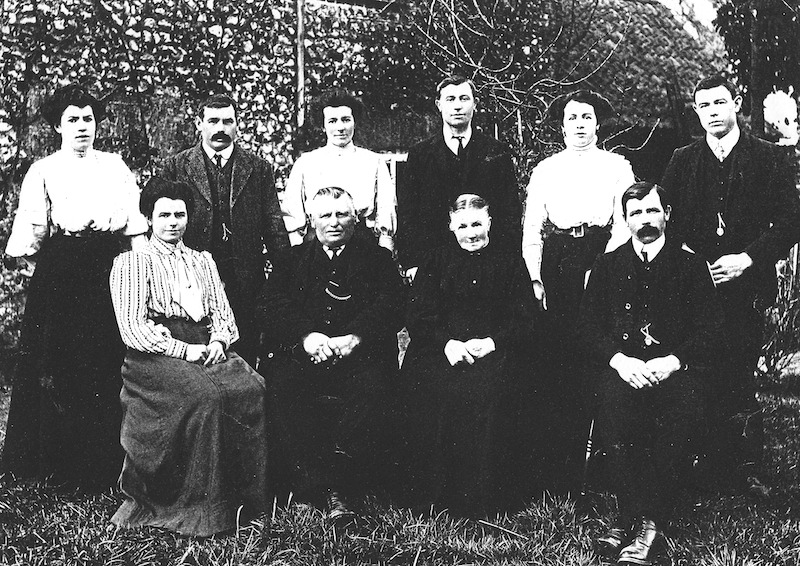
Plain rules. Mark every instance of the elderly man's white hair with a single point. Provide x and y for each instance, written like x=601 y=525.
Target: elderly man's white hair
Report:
x=333 y=192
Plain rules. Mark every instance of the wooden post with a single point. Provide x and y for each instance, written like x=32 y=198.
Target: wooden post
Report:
x=300 y=61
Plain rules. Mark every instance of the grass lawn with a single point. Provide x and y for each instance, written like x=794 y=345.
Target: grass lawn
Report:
x=40 y=526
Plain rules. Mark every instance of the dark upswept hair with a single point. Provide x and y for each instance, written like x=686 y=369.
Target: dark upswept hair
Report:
x=469 y=200
x=455 y=80
x=603 y=109
x=638 y=191
x=157 y=188
x=71 y=95
x=714 y=81
x=220 y=100
x=338 y=97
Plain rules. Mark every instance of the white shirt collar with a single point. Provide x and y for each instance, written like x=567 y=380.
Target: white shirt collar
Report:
x=331 y=251
x=225 y=153
x=652 y=249
x=452 y=142
x=728 y=141
x=336 y=150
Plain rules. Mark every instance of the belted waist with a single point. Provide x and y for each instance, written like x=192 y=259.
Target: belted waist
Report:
x=581 y=230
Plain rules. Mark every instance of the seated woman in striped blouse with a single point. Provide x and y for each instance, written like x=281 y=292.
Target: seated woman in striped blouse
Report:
x=194 y=420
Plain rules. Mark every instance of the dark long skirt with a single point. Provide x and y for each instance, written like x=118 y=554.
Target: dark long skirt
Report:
x=65 y=415
x=565 y=261
x=194 y=439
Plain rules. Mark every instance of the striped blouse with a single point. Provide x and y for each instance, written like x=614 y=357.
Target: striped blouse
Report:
x=142 y=284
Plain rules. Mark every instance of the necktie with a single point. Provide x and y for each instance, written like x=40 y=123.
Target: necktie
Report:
x=644 y=257
x=460 y=149
x=218 y=160
x=719 y=151
x=186 y=291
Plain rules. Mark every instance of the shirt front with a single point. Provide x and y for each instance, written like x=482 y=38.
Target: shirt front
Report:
x=142 y=288
x=652 y=249
x=727 y=142
x=451 y=140
x=225 y=154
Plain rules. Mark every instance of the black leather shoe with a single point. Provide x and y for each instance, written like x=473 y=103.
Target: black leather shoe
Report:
x=640 y=552
x=338 y=512
x=612 y=541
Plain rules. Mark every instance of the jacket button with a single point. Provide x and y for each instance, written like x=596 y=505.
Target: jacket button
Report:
x=327 y=322
x=627 y=306
x=328 y=307
x=474 y=281
x=625 y=336
x=271 y=355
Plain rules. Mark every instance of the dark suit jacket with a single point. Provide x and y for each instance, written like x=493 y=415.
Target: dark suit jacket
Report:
x=426 y=190
x=685 y=315
x=762 y=217
x=256 y=218
x=294 y=303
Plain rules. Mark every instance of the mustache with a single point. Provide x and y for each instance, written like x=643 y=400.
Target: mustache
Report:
x=645 y=231
x=220 y=136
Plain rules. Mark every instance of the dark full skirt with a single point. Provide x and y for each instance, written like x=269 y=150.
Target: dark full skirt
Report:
x=65 y=415
x=194 y=440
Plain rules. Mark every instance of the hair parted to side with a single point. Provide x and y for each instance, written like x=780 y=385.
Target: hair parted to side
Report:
x=333 y=192
x=714 y=81
x=638 y=191
x=219 y=100
x=466 y=201
x=157 y=188
x=71 y=95
x=456 y=80
x=338 y=97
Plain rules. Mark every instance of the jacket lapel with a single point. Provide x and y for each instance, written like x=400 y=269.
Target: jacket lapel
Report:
x=196 y=170
x=242 y=168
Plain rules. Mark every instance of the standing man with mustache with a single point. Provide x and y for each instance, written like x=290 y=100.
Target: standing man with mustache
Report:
x=735 y=204
x=458 y=160
x=236 y=214
x=650 y=326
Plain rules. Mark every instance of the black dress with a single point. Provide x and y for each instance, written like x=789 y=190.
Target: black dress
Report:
x=460 y=418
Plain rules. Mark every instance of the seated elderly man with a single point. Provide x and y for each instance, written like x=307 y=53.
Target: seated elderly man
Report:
x=331 y=318
x=650 y=323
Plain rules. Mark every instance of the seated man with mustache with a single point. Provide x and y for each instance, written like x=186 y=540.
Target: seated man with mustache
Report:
x=236 y=214
x=650 y=323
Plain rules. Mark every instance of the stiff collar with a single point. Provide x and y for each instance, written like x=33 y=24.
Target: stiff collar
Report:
x=452 y=142
x=339 y=151
x=728 y=141
x=165 y=247
x=225 y=153
x=69 y=153
x=331 y=251
x=652 y=249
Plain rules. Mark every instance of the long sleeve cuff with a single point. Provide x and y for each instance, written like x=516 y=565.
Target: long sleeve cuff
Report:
x=176 y=349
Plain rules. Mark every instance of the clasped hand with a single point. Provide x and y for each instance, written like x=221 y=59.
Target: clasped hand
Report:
x=321 y=348
x=457 y=351
x=639 y=374
x=729 y=267
x=214 y=353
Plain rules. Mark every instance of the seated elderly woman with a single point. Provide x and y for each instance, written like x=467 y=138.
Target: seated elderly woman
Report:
x=470 y=319
x=194 y=421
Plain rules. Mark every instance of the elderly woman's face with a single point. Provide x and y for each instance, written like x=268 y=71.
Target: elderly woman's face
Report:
x=580 y=125
x=169 y=220
x=471 y=228
x=77 y=128
x=339 y=125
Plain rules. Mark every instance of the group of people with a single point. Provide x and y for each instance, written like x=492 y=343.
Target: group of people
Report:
x=258 y=339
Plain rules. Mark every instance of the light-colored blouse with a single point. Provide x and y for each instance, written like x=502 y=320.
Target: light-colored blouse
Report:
x=143 y=287
x=361 y=172
x=572 y=188
x=67 y=193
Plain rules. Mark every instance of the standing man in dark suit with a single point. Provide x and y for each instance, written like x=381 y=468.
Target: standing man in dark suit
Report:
x=458 y=160
x=650 y=324
x=332 y=356
x=236 y=214
x=734 y=204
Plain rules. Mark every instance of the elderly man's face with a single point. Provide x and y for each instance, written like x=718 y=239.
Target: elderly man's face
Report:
x=647 y=218
x=716 y=109
x=333 y=220
x=217 y=126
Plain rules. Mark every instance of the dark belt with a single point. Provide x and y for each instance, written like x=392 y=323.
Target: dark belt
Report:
x=580 y=231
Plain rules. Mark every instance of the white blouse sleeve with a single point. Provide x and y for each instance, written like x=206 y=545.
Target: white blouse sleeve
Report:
x=136 y=222
x=535 y=217
x=620 y=233
x=32 y=219
x=294 y=210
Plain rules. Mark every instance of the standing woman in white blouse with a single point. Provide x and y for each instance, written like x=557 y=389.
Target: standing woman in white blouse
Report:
x=78 y=209
x=340 y=163
x=573 y=213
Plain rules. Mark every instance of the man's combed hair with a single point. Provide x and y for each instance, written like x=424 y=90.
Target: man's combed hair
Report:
x=713 y=82
x=338 y=97
x=456 y=80
x=217 y=101
x=336 y=193
x=157 y=188
x=638 y=191
x=71 y=95
x=469 y=201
